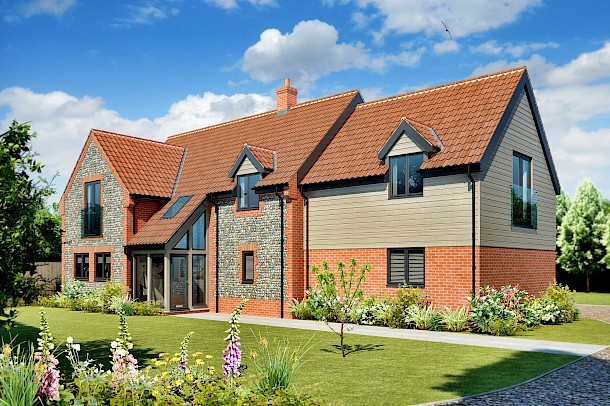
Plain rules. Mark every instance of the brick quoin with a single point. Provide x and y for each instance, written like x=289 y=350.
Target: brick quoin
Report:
x=449 y=270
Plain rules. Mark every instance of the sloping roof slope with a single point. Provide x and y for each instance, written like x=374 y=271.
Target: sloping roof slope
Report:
x=146 y=167
x=263 y=155
x=294 y=135
x=464 y=115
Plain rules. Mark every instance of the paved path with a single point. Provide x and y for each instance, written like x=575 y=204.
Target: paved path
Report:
x=420 y=335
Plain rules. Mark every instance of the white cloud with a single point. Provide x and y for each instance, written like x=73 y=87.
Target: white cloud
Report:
x=516 y=50
x=573 y=101
x=587 y=67
x=147 y=14
x=313 y=50
x=231 y=4
x=63 y=121
x=17 y=11
x=446 y=47
x=462 y=17
x=55 y=7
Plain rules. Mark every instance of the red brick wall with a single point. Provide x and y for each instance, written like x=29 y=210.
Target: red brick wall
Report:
x=532 y=270
x=294 y=272
x=449 y=270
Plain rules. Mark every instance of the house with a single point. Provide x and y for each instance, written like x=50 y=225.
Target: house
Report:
x=447 y=188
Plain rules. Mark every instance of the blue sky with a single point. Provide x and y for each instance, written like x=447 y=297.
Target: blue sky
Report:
x=152 y=68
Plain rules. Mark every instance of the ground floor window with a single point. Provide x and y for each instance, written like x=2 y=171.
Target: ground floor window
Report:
x=406 y=265
x=158 y=282
x=102 y=266
x=141 y=285
x=199 y=298
x=247 y=264
x=81 y=267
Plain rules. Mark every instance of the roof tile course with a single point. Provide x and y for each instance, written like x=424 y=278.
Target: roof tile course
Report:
x=263 y=155
x=464 y=115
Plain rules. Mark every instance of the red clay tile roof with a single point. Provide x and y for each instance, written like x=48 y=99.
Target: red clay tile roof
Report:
x=264 y=156
x=146 y=167
x=159 y=230
x=425 y=131
x=464 y=115
x=211 y=151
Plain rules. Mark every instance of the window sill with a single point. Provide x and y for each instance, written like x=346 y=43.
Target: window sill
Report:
x=247 y=282
x=101 y=280
x=247 y=208
x=402 y=284
x=405 y=196
x=82 y=279
x=523 y=229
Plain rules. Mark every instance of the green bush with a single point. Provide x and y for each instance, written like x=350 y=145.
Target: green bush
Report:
x=504 y=327
x=301 y=310
x=565 y=299
x=110 y=290
x=370 y=311
x=423 y=318
x=406 y=296
x=74 y=289
x=148 y=308
x=455 y=320
x=496 y=311
x=18 y=381
x=122 y=304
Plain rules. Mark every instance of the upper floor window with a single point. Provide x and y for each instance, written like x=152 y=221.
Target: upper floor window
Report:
x=92 y=213
x=246 y=196
x=247 y=265
x=523 y=197
x=405 y=178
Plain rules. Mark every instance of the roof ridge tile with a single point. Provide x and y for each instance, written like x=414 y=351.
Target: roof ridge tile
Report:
x=133 y=137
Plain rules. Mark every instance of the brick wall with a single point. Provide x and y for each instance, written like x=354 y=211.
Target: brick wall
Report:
x=449 y=270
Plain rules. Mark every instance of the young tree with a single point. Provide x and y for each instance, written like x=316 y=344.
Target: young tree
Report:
x=348 y=294
x=582 y=232
x=20 y=198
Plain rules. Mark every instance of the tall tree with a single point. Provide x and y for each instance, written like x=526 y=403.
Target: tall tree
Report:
x=21 y=196
x=48 y=229
x=563 y=205
x=582 y=232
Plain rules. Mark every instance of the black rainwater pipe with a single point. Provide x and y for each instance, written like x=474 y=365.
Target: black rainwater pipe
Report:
x=473 y=232
x=217 y=256
x=279 y=196
x=306 y=202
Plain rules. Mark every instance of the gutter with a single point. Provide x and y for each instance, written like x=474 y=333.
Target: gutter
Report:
x=473 y=231
x=279 y=196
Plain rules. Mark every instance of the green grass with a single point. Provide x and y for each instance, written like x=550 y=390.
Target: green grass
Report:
x=593 y=298
x=583 y=331
x=402 y=371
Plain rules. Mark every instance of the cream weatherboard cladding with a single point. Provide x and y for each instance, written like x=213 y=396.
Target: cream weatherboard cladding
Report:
x=246 y=168
x=364 y=217
x=404 y=146
x=521 y=136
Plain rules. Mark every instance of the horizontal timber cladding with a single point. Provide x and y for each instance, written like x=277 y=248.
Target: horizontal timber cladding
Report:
x=246 y=168
x=404 y=146
x=520 y=135
x=364 y=217
x=448 y=270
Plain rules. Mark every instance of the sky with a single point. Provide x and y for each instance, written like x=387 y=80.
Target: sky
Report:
x=153 y=68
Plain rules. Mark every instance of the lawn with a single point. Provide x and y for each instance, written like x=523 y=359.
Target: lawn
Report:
x=405 y=372
x=584 y=331
x=593 y=298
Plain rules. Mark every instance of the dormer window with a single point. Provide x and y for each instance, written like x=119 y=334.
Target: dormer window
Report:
x=246 y=196
x=405 y=178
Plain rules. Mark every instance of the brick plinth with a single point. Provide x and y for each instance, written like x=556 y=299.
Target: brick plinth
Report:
x=449 y=270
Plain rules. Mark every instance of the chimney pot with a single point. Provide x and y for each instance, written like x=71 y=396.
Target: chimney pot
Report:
x=286 y=96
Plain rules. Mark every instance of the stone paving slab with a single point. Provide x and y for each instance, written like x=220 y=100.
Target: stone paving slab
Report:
x=597 y=312
x=479 y=340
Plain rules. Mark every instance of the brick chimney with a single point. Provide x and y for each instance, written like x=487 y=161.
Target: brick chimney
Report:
x=286 y=96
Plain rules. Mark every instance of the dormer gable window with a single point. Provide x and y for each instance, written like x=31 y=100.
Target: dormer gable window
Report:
x=405 y=178
x=247 y=199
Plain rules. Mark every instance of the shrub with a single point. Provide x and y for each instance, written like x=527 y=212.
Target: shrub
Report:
x=275 y=364
x=18 y=381
x=122 y=305
x=423 y=318
x=110 y=290
x=565 y=299
x=455 y=320
x=74 y=289
x=301 y=310
x=148 y=308
x=491 y=305
x=406 y=296
x=370 y=311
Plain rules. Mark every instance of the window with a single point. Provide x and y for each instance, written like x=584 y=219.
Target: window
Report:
x=406 y=265
x=246 y=196
x=102 y=266
x=176 y=207
x=405 y=178
x=198 y=270
x=199 y=233
x=92 y=213
x=183 y=244
x=523 y=197
x=81 y=267
x=247 y=265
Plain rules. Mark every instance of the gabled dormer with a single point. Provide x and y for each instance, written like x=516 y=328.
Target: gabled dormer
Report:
x=252 y=164
x=409 y=146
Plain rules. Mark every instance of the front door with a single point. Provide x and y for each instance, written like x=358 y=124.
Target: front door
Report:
x=179 y=282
